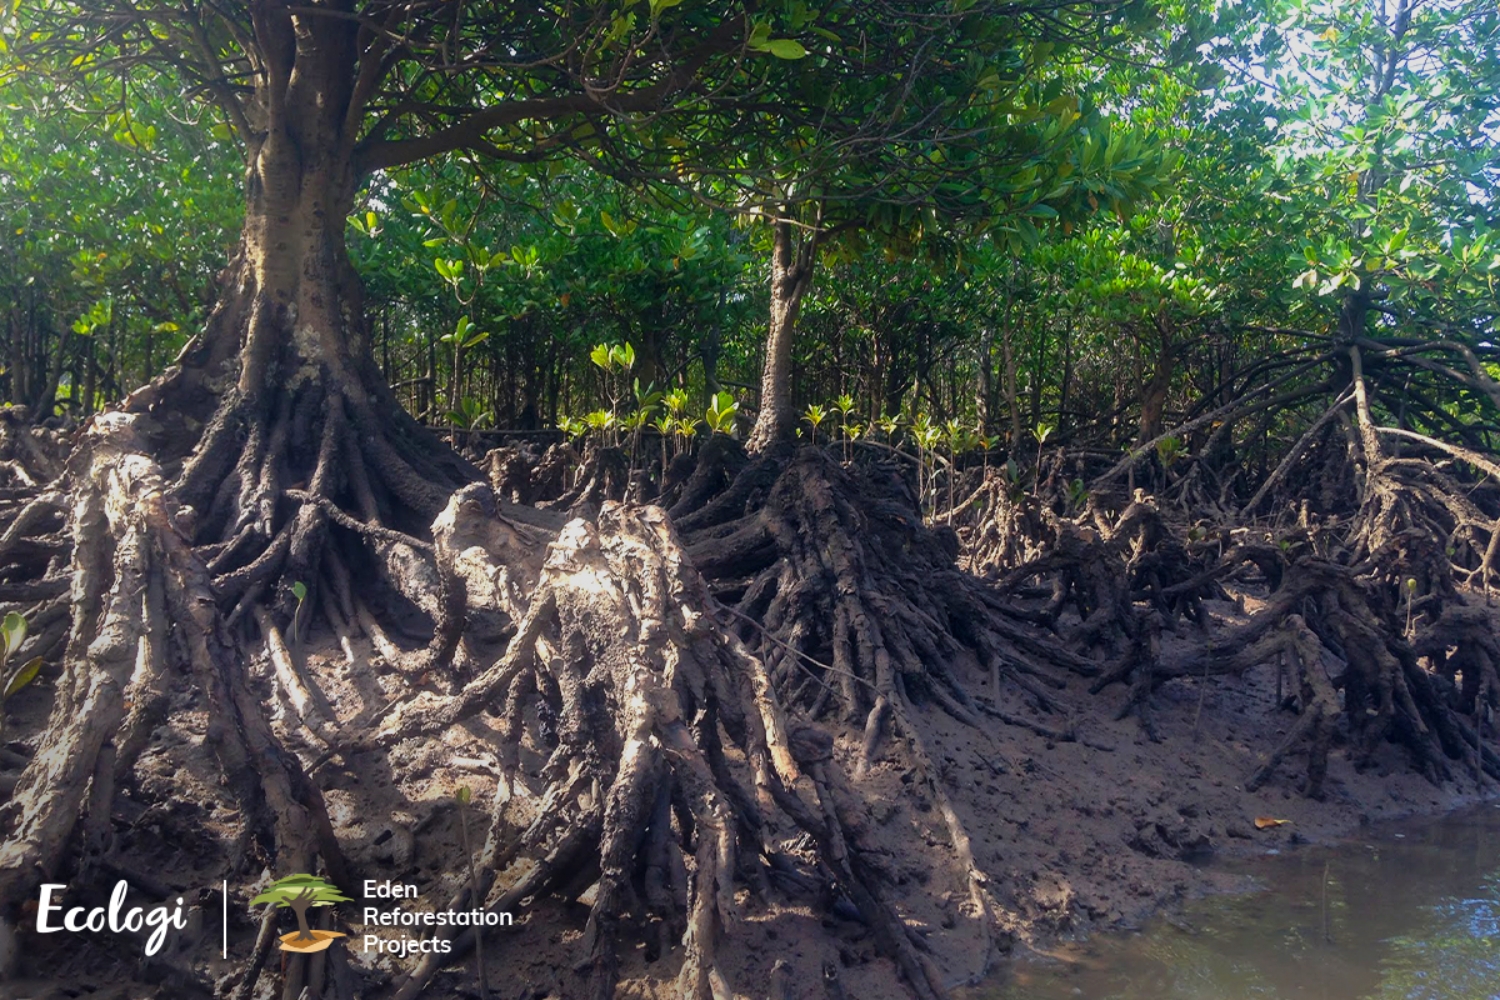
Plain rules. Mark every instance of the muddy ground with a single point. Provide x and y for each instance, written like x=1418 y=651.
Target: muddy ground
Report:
x=1080 y=837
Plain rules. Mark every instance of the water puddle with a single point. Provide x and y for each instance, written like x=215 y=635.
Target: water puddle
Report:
x=1409 y=913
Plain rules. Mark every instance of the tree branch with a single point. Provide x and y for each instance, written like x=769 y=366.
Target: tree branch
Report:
x=470 y=132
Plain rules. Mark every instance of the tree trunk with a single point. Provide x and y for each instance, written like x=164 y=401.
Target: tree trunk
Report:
x=17 y=369
x=1154 y=392
x=283 y=379
x=985 y=401
x=791 y=276
x=90 y=373
x=710 y=352
x=1012 y=402
x=1067 y=376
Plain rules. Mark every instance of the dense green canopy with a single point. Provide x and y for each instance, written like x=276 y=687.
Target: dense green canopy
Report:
x=1308 y=159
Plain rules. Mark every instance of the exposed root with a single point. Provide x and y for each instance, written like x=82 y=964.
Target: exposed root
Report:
x=670 y=752
x=1343 y=634
x=1003 y=526
x=513 y=473
x=30 y=456
x=857 y=602
x=603 y=476
x=1100 y=570
x=133 y=572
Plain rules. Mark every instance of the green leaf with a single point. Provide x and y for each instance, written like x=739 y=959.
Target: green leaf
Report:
x=299 y=591
x=785 y=48
x=13 y=632
x=463 y=795
x=24 y=676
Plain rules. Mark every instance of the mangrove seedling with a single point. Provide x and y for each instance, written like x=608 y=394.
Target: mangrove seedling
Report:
x=815 y=415
x=12 y=634
x=721 y=412
x=299 y=591
x=843 y=406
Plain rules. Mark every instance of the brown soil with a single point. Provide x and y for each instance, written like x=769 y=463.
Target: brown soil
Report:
x=1080 y=837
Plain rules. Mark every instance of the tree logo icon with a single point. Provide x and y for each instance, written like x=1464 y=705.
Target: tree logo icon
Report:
x=299 y=893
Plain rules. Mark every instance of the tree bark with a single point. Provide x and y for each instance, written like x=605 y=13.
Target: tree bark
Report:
x=985 y=401
x=1012 y=402
x=1154 y=392
x=791 y=276
x=289 y=335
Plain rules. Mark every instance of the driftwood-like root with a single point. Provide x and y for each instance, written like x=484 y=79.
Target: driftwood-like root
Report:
x=615 y=641
x=132 y=572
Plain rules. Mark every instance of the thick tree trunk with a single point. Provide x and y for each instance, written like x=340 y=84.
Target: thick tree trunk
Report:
x=287 y=348
x=791 y=276
x=274 y=423
x=1067 y=376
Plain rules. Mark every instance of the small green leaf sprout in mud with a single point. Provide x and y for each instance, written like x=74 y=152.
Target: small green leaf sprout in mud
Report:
x=721 y=413
x=1078 y=494
x=676 y=422
x=12 y=635
x=1013 y=480
x=814 y=415
x=843 y=406
x=664 y=424
x=960 y=442
x=463 y=410
x=1042 y=432
x=926 y=434
x=299 y=591
x=1411 y=593
x=987 y=443
x=462 y=798
x=1170 y=449
x=616 y=361
x=647 y=402
x=471 y=414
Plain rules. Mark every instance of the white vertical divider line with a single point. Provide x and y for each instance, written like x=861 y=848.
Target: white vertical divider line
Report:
x=226 y=918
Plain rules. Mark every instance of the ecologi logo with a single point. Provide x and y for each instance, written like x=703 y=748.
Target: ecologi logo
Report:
x=299 y=893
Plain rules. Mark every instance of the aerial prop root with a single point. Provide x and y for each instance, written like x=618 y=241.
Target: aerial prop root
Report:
x=272 y=476
x=1341 y=630
x=133 y=572
x=834 y=579
x=670 y=768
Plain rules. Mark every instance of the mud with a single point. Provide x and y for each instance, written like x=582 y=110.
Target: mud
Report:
x=1079 y=837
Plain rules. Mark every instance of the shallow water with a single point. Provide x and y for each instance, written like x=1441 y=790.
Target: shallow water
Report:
x=1409 y=913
